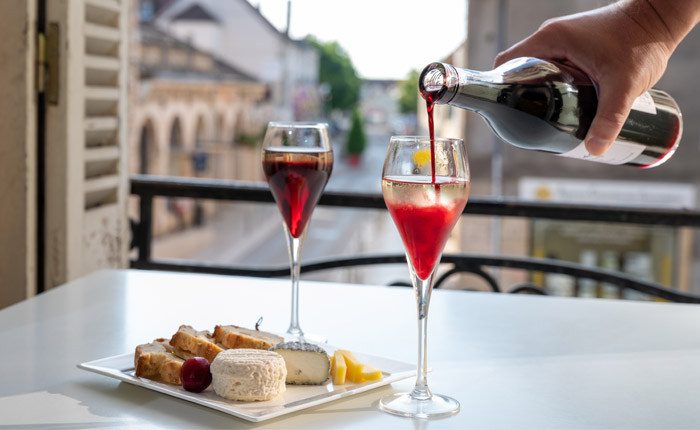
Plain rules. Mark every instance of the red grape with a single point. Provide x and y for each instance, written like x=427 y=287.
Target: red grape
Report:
x=195 y=374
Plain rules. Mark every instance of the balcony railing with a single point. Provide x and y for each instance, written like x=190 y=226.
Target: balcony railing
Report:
x=148 y=187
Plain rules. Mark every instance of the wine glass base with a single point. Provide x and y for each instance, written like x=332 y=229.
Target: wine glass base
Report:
x=403 y=404
x=305 y=337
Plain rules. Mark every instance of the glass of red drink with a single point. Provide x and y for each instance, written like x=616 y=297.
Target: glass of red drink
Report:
x=297 y=159
x=425 y=183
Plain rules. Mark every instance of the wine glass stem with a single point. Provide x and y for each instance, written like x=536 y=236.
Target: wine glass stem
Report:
x=295 y=245
x=422 y=289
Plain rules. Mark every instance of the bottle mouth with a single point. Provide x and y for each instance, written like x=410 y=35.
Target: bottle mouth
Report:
x=438 y=83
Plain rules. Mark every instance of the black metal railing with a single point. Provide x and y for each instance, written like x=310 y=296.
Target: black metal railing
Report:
x=148 y=187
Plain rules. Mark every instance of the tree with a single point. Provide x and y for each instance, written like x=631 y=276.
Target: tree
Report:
x=337 y=71
x=408 y=93
x=356 y=137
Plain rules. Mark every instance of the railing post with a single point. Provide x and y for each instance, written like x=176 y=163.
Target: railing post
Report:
x=143 y=240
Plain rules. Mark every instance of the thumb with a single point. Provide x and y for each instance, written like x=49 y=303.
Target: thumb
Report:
x=613 y=109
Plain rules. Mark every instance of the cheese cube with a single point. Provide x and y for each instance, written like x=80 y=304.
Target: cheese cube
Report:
x=370 y=373
x=354 y=372
x=338 y=369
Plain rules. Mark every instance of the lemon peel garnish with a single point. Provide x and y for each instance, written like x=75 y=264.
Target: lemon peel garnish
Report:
x=421 y=158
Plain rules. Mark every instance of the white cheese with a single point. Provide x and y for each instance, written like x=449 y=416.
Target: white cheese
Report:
x=307 y=364
x=248 y=374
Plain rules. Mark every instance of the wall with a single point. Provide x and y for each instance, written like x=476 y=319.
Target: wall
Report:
x=17 y=153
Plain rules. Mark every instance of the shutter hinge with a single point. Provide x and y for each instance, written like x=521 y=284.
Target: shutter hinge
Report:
x=48 y=55
x=40 y=62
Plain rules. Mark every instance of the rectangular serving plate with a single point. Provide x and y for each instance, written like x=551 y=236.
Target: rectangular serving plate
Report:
x=295 y=398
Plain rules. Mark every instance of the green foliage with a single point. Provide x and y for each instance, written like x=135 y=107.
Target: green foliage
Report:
x=356 y=137
x=251 y=139
x=408 y=93
x=337 y=71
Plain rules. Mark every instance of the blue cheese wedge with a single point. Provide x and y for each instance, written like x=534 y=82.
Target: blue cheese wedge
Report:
x=307 y=364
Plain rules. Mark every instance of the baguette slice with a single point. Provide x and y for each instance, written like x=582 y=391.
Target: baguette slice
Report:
x=178 y=352
x=154 y=361
x=232 y=337
x=199 y=343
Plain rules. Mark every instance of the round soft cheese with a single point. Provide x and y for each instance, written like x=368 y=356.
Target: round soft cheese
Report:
x=248 y=374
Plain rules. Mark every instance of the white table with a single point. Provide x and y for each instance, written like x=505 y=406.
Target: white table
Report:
x=514 y=362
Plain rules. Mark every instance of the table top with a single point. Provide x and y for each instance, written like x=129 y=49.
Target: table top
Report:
x=513 y=361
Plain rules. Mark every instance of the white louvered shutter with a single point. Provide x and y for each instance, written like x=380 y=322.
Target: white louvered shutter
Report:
x=86 y=140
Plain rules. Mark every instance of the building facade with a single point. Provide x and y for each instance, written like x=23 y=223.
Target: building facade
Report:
x=211 y=75
x=236 y=32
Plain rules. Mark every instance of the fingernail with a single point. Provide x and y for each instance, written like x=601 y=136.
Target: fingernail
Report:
x=596 y=146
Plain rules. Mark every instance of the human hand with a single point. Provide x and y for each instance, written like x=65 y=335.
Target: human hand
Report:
x=623 y=48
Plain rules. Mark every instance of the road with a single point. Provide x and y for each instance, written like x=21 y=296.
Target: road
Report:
x=252 y=234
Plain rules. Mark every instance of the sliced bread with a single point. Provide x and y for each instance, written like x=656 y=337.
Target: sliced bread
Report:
x=232 y=337
x=198 y=343
x=154 y=361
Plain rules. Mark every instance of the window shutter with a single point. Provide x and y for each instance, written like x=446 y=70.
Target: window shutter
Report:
x=86 y=141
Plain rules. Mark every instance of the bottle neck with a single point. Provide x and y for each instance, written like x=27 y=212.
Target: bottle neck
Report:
x=440 y=83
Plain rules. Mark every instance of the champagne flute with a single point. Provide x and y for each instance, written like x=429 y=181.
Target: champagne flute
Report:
x=297 y=159
x=425 y=186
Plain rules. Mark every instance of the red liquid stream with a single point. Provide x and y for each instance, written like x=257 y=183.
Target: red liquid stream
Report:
x=296 y=186
x=430 y=105
x=424 y=231
x=431 y=128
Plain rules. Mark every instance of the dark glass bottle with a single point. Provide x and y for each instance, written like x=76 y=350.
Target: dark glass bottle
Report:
x=539 y=105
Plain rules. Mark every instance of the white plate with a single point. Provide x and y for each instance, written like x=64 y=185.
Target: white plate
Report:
x=295 y=398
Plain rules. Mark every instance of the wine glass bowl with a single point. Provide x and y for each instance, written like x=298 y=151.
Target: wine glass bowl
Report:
x=297 y=160
x=425 y=184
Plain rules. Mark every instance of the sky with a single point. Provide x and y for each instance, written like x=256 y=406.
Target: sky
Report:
x=385 y=39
